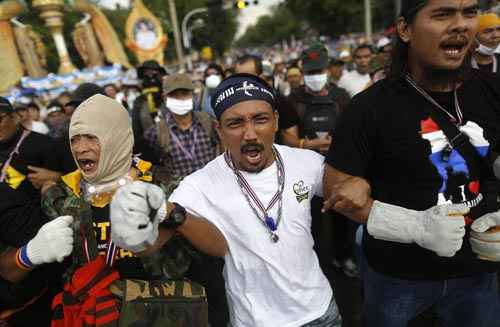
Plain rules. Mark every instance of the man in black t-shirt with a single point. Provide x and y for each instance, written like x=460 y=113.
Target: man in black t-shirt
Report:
x=27 y=283
x=488 y=39
x=419 y=192
x=21 y=149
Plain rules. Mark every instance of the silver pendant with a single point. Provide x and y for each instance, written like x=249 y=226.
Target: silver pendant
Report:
x=275 y=238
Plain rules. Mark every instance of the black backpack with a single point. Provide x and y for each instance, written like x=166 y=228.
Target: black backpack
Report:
x=317 y=115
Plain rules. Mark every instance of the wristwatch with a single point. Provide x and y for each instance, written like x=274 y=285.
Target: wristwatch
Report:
x=176 y=218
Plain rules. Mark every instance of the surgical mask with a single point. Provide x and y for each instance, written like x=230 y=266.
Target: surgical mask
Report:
x=213 y=81
x=316 y=82
x=179 y=107
x=484 y=50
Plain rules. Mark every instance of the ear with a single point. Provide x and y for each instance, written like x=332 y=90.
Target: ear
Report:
x=404 y=30
x=218 y=129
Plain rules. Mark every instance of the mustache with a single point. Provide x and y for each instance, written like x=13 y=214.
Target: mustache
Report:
x=457 y=39
x=252 y=147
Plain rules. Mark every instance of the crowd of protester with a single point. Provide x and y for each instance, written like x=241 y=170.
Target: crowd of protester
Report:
x=393 y=176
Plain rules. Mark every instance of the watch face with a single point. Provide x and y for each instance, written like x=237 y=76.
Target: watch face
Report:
x=176 y=218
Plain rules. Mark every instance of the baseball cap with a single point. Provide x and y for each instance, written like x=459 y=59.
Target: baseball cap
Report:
x=177 y=82
x=5 y=105
x=315 y=58
x=83 y=92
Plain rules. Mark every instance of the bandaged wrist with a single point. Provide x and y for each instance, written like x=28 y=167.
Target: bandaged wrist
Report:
x=22 y=259
x=393 y=223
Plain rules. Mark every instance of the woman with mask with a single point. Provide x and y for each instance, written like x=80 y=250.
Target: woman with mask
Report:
x=488 y=39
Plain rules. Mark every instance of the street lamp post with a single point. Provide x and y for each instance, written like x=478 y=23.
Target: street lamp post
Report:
x=185 y=38
x=177 y=36
x=368 y=20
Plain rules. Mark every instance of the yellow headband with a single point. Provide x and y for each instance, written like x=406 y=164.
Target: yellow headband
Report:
x=487 y=21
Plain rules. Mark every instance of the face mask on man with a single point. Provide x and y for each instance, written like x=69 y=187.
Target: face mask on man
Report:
x=484 y=50
x=213 y=81
x=316 y=82
x=179 y=107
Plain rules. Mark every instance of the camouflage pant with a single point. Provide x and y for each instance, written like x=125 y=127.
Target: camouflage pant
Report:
x=331 y=318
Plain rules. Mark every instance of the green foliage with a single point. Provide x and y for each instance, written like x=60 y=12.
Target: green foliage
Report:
x=282 y=23
x=335 y=17
x=327 y=17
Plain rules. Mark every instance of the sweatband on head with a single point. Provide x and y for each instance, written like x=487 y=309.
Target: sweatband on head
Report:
x=489 y=20
x=239 y=88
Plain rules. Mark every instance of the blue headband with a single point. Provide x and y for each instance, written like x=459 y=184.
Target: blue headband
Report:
x=239 y=88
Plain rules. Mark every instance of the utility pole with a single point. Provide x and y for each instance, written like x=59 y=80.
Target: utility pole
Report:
x=177 y=34
x=397 y=8
x=368 y=20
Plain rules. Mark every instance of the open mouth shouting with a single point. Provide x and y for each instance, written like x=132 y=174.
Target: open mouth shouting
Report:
x=253 y=153
x=456 y=48
x=87 y=165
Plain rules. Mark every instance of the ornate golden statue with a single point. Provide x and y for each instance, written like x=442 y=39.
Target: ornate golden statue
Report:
x=108 y=40
x=86 y=43
x=11 y=68
x=145 y=35
x=51 y=11
x=31 y=48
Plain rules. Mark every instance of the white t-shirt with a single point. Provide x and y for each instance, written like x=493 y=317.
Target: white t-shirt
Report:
x=354 y=82
x=268 y=284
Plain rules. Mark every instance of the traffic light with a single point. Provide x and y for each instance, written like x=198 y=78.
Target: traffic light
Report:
x=241 y=4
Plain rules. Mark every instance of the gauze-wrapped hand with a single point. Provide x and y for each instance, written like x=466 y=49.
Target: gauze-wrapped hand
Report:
x=485 y=237
x=440 y=229
x=135 y=212
x=53 y=242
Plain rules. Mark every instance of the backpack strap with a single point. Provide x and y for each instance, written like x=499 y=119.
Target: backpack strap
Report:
x=206 y=122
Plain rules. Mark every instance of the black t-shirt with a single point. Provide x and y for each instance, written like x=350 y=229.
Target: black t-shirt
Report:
x=20 y=219
x=128 y=265
x=35 y=150
x=387 y=137
x=490 y=67
x=287 y=113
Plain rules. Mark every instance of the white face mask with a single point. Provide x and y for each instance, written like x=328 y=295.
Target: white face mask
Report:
x=213 y=81
x=484 y=50
x=316 y=82
x=179 y=107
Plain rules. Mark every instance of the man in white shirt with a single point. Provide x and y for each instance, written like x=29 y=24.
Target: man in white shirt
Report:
x=255 y=202
x=358 y=80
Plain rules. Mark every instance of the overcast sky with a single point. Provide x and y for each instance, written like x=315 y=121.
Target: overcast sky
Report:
x=247 y=17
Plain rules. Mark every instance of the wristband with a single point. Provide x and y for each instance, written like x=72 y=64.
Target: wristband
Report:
x=22 y=260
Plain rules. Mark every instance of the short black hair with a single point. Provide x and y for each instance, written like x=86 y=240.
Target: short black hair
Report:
x=256 y=60
x=361 y=47
x=336 y=62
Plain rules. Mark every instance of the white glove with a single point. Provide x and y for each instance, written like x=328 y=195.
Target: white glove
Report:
x=485 y=242
x=53 y=242
x=440 y=229
x=131 y=226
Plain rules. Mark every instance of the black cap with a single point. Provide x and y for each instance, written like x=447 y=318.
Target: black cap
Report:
x=5 y=105
x=150 y=64
x=83 y=92
x=315 y=58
